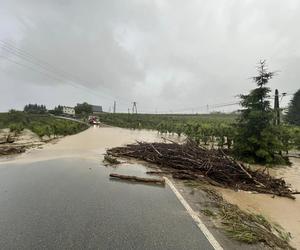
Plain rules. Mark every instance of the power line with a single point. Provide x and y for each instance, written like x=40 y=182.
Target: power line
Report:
x=54 y=77
x=203 y=107
x=50 y=74
x=25 y=55
x=213 y=106
x=45 y=67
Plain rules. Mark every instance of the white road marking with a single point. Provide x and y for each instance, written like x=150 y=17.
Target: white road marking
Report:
x=195 y=217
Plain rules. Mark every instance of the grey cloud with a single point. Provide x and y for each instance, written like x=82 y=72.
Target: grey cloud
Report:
x=168 y=54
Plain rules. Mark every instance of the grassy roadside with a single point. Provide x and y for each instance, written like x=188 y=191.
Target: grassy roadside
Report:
x=248 y=228
x=41 y=124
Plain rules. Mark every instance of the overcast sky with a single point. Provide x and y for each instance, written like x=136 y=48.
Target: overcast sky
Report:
x=167 y=55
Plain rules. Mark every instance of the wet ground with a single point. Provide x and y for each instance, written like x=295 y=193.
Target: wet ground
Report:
x=62 y=198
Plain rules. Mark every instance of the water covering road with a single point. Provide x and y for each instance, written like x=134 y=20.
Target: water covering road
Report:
x=60 y=197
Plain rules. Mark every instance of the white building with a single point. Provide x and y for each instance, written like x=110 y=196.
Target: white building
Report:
x=68 y=111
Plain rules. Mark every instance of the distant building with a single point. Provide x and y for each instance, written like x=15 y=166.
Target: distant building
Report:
x=96 y=109
x=68 y=111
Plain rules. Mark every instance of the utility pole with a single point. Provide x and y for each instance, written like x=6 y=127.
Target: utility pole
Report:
x=128 y=114
x=134 y=108
x=115 y=106
x=276 y=108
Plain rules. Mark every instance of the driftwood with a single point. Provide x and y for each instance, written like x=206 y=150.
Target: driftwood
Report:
x=158 y=172
x=188 y=161
x=7 y=139
x=137 y=179
x=8 y=150
x=111 y=160
x=3 y=139
x=10 y=139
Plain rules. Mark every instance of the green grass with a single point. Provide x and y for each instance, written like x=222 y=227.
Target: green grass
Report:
x=41 y=124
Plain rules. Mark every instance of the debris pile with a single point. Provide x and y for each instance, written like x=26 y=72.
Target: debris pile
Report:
x=8 y=150
x=192 y=162
x=111 y=160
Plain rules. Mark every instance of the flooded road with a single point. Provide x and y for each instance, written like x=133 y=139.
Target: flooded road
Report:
x=61 y=197
x=90 y=144
x=284 y=211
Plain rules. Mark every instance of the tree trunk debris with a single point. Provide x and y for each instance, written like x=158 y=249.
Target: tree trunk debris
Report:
x=138 y=179
x=188 y=161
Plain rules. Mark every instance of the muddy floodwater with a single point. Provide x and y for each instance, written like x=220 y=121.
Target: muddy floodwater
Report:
x=90 y=144
x=284 y=211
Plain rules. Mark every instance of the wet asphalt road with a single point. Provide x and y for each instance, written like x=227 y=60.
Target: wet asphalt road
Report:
x=72 y=204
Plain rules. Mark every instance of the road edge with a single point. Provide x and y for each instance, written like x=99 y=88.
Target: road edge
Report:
x=212 y=240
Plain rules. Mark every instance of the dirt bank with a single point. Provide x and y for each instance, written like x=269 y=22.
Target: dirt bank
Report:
x=12 y=143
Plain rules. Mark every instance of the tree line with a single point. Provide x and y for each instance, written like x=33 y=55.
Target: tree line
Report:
x=81 y=109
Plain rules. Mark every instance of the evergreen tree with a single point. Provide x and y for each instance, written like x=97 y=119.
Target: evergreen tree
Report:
x=293 y=115
x=258 y=140
x=57 y=110
x=35 y=109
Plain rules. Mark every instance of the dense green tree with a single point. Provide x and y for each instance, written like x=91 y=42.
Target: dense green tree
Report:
x=258 y=140
x=293 y=115
x=57 y=110
x=35 y=109
x=83 y=109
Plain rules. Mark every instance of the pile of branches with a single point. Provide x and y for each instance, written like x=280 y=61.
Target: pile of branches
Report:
x=192 y=162
x=9 y=150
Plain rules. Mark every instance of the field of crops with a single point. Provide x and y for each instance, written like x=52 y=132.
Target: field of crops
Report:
x=207 y=129
x=41 y=124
